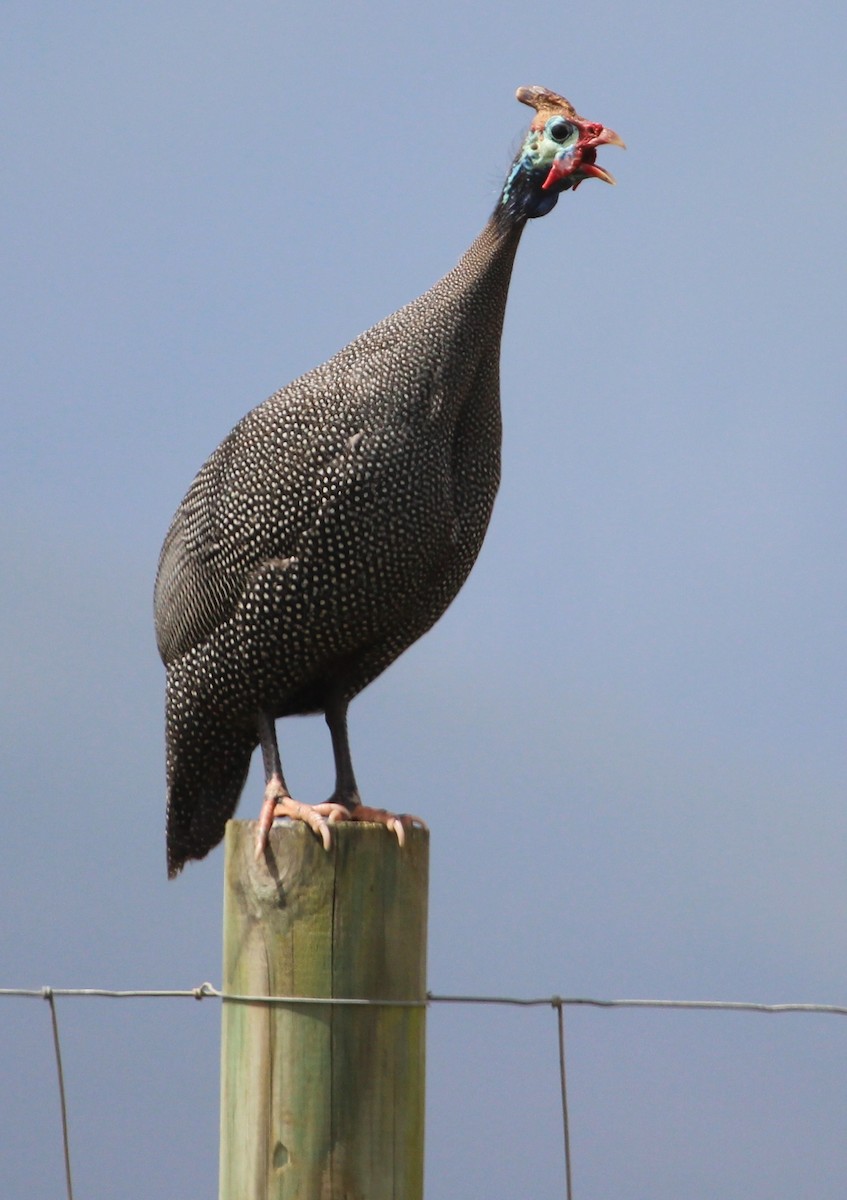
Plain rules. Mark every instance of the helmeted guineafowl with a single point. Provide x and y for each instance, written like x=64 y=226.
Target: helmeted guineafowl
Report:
x=340 y=517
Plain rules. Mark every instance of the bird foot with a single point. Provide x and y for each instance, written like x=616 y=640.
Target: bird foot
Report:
x=318 y=817
x=396 y=823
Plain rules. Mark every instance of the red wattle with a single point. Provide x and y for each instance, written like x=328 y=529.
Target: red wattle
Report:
x=558 y=171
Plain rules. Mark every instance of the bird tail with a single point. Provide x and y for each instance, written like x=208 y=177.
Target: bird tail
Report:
x=207 y=769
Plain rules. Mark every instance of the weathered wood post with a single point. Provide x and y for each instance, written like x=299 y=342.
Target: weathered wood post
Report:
x=320 y=1101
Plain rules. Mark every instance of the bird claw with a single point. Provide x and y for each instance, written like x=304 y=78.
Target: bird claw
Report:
x=396 y=823
x=406 y=821
x=318 y=817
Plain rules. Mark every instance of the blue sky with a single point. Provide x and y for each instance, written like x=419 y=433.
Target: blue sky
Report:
x=627 y=734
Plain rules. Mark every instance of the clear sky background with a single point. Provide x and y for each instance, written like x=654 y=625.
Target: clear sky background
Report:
x=627 y=734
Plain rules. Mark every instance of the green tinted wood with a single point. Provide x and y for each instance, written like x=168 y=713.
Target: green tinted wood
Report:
x=323 y=1102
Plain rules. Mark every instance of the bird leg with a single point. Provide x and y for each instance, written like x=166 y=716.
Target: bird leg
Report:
x=278 y=801
x=346 y=790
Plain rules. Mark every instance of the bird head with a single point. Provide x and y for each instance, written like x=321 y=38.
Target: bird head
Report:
x=558 y=152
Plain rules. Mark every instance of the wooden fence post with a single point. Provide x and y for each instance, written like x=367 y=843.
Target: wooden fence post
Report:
x=323 y=1102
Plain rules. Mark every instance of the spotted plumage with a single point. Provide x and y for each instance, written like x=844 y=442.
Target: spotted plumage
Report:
x=338 y=520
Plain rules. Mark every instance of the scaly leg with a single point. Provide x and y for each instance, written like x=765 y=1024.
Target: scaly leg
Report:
x=346 y=790
x=278 y=801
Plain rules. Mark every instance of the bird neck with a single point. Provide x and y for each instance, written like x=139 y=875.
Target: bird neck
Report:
x=524 y=197
x=485 y=269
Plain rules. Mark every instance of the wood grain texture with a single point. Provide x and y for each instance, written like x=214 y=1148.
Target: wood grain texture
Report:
x=323 y=1102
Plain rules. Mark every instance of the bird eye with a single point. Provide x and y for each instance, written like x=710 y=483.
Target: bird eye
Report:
x=560 y=131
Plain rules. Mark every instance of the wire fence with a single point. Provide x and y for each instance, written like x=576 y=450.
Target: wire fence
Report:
x=207 y=991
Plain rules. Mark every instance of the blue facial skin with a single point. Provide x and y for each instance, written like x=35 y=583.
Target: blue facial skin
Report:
x=523 y=194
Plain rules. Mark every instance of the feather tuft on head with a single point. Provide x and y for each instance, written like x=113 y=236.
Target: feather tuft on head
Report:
x=546 y=104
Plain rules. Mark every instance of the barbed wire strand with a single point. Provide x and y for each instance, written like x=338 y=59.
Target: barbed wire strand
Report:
x=208 y=991
x=48 y=995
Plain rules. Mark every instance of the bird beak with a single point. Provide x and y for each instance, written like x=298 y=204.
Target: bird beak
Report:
x=606 y=137
x=595 y=172
x=585 y=166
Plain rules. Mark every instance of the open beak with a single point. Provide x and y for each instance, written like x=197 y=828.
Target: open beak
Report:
x=605 y=137
x=598 y=135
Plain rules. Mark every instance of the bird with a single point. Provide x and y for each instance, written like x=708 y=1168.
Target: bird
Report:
x=339 y=519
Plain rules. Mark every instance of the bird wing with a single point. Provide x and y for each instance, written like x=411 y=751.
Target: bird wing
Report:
x=275 y=479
